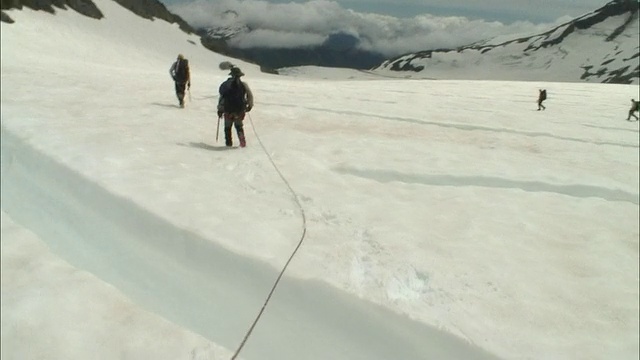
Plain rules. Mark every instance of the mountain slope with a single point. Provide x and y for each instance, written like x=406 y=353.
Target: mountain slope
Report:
x=601 y=46
x=148 y=9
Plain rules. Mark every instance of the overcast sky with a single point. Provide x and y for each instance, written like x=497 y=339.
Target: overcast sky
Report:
x=391 y=27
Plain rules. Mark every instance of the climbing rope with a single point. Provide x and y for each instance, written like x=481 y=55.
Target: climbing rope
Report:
x=304 y=232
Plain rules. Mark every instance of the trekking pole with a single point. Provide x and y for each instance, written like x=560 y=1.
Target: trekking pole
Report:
x=189 y=90
x=218 y=129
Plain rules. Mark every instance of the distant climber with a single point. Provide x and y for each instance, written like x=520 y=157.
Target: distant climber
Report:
x=181 y=76
x=542 y=97
x=635 y=106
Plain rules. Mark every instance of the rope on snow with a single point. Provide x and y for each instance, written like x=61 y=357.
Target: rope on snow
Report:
x=304 y=232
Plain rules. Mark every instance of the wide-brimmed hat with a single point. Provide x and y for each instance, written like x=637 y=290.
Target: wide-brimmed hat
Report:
x=236 y=72
x=180 y=56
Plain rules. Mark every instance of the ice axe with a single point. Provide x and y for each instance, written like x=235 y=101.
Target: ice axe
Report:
x=218 y=129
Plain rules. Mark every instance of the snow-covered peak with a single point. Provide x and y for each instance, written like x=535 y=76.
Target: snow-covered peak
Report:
x=601 y=46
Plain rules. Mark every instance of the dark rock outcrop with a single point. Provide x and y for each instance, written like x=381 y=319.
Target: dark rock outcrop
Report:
x=6 y=18
x=148 y=9
x=84 y=7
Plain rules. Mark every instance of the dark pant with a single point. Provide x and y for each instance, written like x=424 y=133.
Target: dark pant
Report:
x=180 y=86
x=233 y=119
x=540 y=105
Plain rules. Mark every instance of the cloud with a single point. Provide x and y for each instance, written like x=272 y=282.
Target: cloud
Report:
x=500 y=10
x=277 y=39
x=294 y=25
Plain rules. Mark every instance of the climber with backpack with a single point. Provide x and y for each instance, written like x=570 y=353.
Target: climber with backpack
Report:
x=635 y=106
x=542 y=97
x=181 y=75
x=235 y=101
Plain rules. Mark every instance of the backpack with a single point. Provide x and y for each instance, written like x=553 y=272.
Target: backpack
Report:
x=182 y=70
x=543 y=95
x=232 y=93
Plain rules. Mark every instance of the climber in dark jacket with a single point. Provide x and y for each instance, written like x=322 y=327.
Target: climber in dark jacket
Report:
x=236 y=99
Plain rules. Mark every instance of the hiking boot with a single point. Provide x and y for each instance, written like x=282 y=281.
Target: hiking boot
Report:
x=243 y=143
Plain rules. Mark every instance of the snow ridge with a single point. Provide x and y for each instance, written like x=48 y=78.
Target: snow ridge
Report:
x=160 y=265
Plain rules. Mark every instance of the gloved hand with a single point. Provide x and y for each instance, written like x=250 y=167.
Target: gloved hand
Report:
x=189 y=85
x=248 y=108
x=220 y=113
